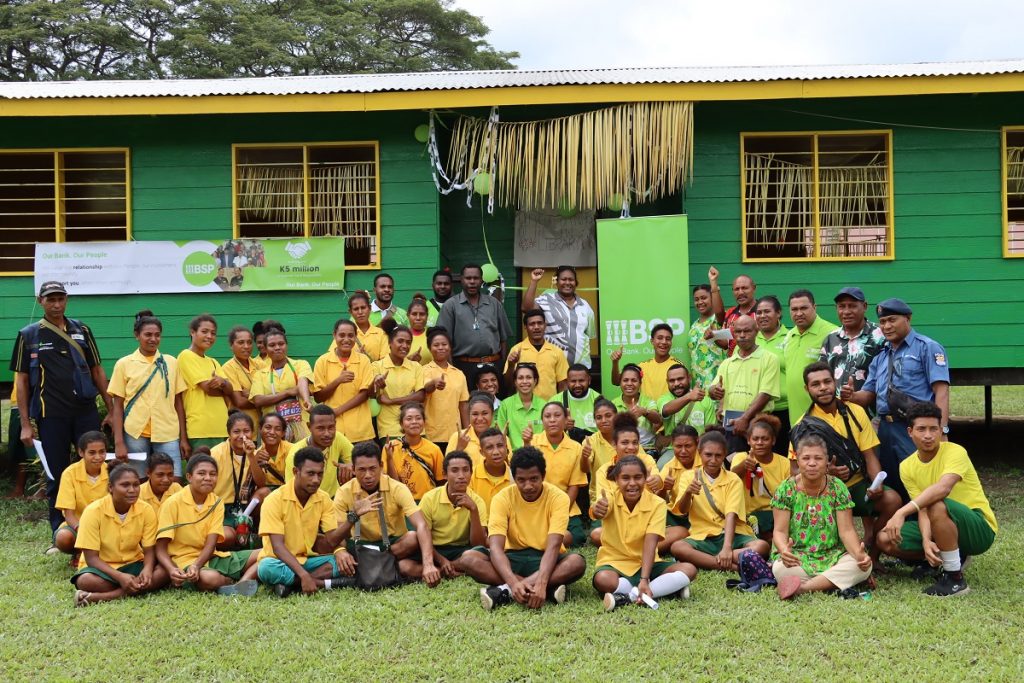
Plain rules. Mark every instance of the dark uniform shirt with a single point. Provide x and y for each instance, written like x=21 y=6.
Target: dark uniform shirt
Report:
x=476 y=331
x=55 y=389
x=917 y=363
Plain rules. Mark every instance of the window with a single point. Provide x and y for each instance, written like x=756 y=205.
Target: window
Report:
x=60 y=196
x=817 y=196
x=311 y=190
x=1013 y=192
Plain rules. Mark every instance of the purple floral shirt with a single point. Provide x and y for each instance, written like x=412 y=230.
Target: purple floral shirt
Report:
x=812 y=523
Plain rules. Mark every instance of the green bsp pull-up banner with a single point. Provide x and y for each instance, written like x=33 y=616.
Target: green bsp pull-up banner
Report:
x=643 y=269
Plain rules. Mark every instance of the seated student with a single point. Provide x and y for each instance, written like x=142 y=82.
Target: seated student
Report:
x=564 y=469
x=490 y=471
x=81 y=484
x=240 y=477
x=713 y=499
x=684 y=405
x=552 y=367
x=816 y=545
x=337 y=450
x=954 y=518
x=161 y=483
x=684 y=459
x=457 y=517
x=117 y=536
x=413 y=460
x=300 y=530
x=635 y=402
x=191 y=523
x=489 y=381
x=762 y=471
x=342 y=379
x=359 y=500
x=481 y=419
x=633 y=523
x=447 y=400
x=655 y=370
x=579 y=399
x=521 y=409
x=523 y=560
x=626 y=441
x=272 y=454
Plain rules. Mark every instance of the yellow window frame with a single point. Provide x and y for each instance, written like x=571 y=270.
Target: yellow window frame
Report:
x=1004 y=190
x=58 y=194
x=305 y=146
x=816 y=223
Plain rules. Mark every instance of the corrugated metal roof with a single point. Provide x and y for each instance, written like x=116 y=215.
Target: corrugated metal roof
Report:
x=474 y=80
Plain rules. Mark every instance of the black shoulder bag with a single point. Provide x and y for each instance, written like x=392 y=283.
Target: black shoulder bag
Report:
x=376 y=568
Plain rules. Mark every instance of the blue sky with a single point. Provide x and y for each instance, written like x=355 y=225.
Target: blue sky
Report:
x=617 y=33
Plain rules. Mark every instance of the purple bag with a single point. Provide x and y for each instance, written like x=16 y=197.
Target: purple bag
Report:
x=755 y=573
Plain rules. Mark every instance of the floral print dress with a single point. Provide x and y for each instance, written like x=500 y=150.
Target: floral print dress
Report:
x=812 y=523
x=704 y=359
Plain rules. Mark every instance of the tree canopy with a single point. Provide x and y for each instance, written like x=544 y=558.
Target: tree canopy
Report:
x=137 y=39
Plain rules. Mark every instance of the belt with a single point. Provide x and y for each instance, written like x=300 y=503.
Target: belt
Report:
x=481 y=359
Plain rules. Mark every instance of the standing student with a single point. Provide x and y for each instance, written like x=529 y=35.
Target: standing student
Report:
x=161 y=483
x=62 y=352
x=477 y=323
x=241 y=369
x=521 y=410
x=633 y=523
x=441 y=283
x=762 y=471
x=552 y=368
x=259 y=340
x=635 y=401
x=396 y=380
x=370 y=339
x=803 y=347
x=383 y=306
x=81 y=484
x=283 y=386
x=706 y=353
x=655 y=370
x=488 y=380
x=571 y=322
x=342 y=379
x=419 y=350
x=272 y=454
x=117 y=536
x=191 y=524
x=337 y=449
x=413 y=460
x=771 y=336
x=524 y=559
x=147 y=390
x=240 y=478
x=447 y=401
x=713 y=499
x=490 y=469
x=564 y=466
x=207 y=394
x=816 y=544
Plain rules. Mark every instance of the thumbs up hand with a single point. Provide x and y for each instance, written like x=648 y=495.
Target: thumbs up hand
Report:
x=716 y=391
x=617 y=354
x=846 y=392
x=600 y=508
x=346 y=374
x=787 y=556
x=864 y=560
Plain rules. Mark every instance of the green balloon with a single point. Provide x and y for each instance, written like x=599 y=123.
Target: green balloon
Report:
x=490 y=272
x=482 y=184
x=422 y=133
x=566 y=209
x=374 y=407
x=615 y=202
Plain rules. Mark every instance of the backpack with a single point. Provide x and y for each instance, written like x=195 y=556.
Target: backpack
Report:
x=755 y=573
x=843 y=450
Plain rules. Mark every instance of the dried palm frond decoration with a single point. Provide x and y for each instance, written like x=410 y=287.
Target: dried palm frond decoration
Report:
x=779 y=198
x=272 y=194
x=1015 y=170
x=640 y=151
x=342 y=202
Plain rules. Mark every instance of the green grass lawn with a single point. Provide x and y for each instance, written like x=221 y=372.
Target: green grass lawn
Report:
x=414 y=633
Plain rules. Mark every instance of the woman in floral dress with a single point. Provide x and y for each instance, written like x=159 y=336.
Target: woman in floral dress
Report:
x=704 y=357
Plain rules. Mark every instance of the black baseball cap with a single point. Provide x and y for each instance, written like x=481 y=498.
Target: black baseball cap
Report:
x=52 y=287
x=853 y=292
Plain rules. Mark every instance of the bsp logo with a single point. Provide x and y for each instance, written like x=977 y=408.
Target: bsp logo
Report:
x=623 y=332
x=199 y=269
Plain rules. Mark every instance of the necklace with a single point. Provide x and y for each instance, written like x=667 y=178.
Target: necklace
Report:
x=824 y=485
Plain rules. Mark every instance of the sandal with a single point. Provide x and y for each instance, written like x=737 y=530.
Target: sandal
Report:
x=789 y=586
x=82 y=598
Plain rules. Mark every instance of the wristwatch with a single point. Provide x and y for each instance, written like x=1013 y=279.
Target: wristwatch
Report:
x=352 y=517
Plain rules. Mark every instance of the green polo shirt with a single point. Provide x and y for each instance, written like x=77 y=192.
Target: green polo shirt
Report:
x=802 y=349
x=511 y=413
x=643 y=424
x=744 y=378
x=777 y=345
x=697 y=415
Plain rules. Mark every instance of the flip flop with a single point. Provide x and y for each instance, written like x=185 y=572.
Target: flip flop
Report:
x=789 y=586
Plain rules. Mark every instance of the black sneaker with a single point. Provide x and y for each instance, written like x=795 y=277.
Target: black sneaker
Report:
x=925 y=572
x=948 y=585
x=282 y=590
x=613 y=601
x=493 y=596
x=558 y=594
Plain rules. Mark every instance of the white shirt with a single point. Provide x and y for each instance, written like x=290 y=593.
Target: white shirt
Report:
x=570 y=329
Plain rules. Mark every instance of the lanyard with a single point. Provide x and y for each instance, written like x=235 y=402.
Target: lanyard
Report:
x=291 y=367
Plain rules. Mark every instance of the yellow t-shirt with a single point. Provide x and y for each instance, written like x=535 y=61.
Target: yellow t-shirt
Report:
x=77 y=491
x=339 y=452
x=727 y=491
x=602 y=453
x=655 y=379
x=233 y=472
x=486 y=486
x=411 y=473
x=118 y=542
x=599 y=479
x=280 y=463
x=442 y=405
x=357 y=423
x=552 y=366
x=673 y=468
x=563 y=467
x=864 y=435
x=283 y=514
x=528 y=525
x=402 y=380
x=241 y=379
x=419 y=343
x=623 y=531
x=775 y=472
x=153 y=412
x=146 y=495
x=398 y=505
x=197 y=522
x=448 y=524
x=473 y=447
x=206 y=417
x=269 y=381
x=373 y=343
x=951 y=459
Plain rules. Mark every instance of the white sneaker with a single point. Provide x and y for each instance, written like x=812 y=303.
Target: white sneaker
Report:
x=51 y=551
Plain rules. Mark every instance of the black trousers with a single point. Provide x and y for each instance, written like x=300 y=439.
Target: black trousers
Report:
x=59 y=437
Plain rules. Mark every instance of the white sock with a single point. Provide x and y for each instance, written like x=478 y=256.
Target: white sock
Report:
x=327 y=584
x=634 y=593
x=950 y=560
x=504 y=587
x=669 y=583
x=624 y=586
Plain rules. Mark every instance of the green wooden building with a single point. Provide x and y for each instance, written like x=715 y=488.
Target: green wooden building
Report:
x=905 y=180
